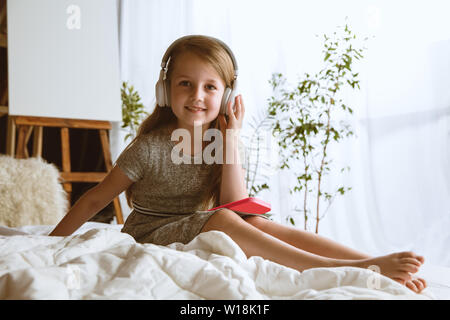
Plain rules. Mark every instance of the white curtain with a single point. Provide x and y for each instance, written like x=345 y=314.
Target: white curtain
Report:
x=400 y=159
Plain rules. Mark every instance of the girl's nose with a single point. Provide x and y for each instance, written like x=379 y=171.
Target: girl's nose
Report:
x=197 y=93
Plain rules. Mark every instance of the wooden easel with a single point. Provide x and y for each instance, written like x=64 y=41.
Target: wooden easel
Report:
x=4 y=72
x=25 y=126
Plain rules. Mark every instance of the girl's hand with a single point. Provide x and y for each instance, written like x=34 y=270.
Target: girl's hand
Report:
x=235 y=119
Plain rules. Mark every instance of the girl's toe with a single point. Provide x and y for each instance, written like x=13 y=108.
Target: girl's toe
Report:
x=407 y=254
x=411 y=285
x=418 y=284
x=411 y=260
x=409 y=267
x=424 y=283
x=405 y=276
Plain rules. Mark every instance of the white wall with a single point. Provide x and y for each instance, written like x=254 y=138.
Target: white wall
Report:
x=400 y=159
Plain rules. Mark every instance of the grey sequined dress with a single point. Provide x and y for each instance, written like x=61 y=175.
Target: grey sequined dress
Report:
x=166 y=196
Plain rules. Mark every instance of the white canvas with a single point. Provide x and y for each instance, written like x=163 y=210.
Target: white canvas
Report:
x=63 y=59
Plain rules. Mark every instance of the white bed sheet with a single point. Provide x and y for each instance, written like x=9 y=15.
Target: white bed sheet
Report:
x=100 y=262
x=438 y=280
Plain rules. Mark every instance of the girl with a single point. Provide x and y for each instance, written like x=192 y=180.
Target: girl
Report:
x=170 y=200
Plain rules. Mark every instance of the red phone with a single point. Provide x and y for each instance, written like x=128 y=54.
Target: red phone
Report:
x=248 y=205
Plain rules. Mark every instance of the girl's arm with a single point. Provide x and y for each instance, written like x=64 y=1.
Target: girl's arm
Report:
x=92 y=202
x=232 y=187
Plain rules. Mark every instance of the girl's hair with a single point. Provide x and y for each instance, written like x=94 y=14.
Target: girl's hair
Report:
x=214 y=54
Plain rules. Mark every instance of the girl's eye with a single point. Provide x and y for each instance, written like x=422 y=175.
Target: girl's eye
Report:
x=186 y=83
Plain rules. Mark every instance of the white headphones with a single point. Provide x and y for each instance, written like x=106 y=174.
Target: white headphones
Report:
x=161 y=88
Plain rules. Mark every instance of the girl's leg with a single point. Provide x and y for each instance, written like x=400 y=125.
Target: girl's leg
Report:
x=255 y=242
x=322 y=246
x=305 y=240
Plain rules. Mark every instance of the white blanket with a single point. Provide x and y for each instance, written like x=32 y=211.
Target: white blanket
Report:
x=103 y=263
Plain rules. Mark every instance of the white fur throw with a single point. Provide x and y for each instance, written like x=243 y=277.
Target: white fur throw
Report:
x=30 y=192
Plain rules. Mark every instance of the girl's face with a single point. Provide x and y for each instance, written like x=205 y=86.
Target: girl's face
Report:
x=196 y=91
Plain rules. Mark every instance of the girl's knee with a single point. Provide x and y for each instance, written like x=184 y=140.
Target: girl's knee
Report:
x=220 y=220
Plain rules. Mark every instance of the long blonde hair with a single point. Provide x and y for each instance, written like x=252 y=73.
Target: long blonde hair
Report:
x=214 y=54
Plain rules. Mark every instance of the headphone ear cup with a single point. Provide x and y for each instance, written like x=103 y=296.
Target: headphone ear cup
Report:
x=225 y=100
x=160 y=95
x=167 y=93
x=232 y=96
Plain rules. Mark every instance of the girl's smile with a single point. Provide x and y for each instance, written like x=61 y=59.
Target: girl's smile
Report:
x=195 y=109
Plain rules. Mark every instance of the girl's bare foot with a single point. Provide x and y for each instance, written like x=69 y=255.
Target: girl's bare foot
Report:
x=399 y=267
x=416 y=284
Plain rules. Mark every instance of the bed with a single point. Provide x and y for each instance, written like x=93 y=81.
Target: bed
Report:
x=100 y=262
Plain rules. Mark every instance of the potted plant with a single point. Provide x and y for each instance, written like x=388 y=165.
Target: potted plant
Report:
x=306 y=121
x=133 y=111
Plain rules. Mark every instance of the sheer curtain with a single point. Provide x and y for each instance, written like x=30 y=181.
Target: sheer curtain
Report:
x=400 y=157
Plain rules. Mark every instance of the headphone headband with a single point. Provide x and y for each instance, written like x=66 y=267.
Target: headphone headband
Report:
x=166 y=59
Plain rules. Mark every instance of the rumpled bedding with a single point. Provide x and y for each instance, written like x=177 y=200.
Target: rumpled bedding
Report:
x=104 y=263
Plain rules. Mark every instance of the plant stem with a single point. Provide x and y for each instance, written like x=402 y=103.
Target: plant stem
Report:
x=256 y=132
x=305 y=196
x=321 y=168
x=257 y=163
